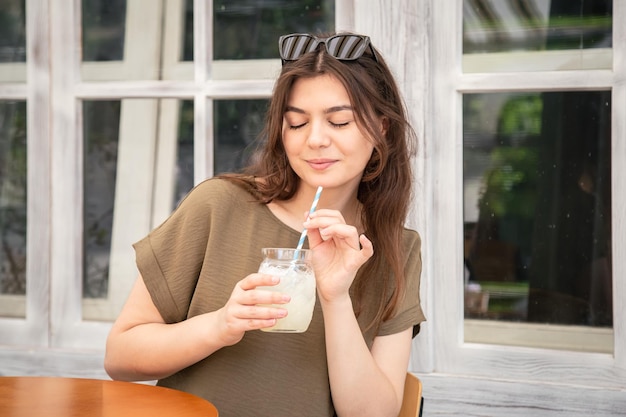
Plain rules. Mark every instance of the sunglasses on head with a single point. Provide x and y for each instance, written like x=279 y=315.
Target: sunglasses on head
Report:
x=344 y=47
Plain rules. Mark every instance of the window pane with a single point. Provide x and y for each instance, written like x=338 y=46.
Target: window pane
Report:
x=13 y=170
x=12 y=41
x=248 y=29
x=184 y=153
x=137 y=40
x=132 y=147
x=103 y=29
x=537 y=35
x=12 y=31
x=537 y=201
x=188 y=32
x=101 y=135
x=238 y=124
x=509 y=25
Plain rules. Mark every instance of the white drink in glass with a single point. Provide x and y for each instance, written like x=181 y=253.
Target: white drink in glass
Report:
x=296 y=279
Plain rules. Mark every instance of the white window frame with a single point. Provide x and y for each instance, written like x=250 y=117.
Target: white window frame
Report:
x=454 y=355
x=30 y=326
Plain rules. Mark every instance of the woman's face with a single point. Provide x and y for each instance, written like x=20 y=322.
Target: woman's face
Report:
x=321 y=138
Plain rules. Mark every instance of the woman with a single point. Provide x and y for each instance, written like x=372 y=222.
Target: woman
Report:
x=192 y=320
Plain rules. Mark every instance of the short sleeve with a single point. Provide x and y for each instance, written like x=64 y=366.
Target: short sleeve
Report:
x=170 y=258
x=409 y=313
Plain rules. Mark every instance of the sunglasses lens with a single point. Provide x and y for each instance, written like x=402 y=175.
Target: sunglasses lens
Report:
x=346 y=47
x=342 y=47
x=292 y=47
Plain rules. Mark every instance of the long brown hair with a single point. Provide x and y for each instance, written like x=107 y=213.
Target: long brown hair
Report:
x=385 y=189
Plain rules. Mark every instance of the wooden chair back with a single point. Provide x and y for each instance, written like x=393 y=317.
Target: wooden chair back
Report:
x=412 y=401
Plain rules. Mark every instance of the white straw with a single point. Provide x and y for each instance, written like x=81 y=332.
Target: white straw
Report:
x=313 y=206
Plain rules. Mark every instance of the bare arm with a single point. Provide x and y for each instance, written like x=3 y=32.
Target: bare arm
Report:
x=363 y=382
x=141 y=346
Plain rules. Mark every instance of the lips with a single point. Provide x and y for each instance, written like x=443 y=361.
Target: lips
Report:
x=321 y=164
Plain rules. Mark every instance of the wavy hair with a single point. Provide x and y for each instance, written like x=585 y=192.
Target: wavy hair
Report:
x=385 y=190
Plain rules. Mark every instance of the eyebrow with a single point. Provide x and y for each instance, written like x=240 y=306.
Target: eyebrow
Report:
x=333 y=109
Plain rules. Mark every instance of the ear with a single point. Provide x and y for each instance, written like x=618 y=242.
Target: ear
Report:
x=384 y=125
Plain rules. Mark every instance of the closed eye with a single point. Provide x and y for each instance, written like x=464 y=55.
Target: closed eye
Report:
x=296 y=127
x=339 y=124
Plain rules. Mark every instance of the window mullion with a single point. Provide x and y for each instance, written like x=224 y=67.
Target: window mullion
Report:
x=38 y=162
x=618 y=181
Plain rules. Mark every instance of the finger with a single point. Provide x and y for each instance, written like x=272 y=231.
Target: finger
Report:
x=258 y=280
x=325 y=217
x=261 y=296
x=367 y=248
x=341 y=233
x=253 y=324
x=262 y=313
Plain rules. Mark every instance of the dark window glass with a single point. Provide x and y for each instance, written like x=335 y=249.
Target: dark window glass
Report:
x=188 y=32
x=101 y=136
x=249 y=29
x=13 y=171
x=238 y=124
x=184 y=154
x=537 y=200
x=512 y=25
x=103 y=24
x=12 y=31
x=101 y=157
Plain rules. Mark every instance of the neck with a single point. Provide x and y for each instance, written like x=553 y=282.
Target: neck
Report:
x=291 y=211
x=334 y=199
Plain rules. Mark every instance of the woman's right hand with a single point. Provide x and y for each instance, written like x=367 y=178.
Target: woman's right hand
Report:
x=247 y=308
x=140 y=338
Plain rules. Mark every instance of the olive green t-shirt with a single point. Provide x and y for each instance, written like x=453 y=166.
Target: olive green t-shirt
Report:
x=190 y=265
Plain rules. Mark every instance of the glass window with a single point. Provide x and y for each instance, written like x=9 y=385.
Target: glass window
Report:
x=13 y=31
x=501 y=33
x=187 y=54
x=184 y=152
x=238 y=124
x=103 y=29
x=124 y=145
x=245 y=29
x=101 y=135
x=13 y=170
x=12 y=41
x=537 y=199
x=125 y=40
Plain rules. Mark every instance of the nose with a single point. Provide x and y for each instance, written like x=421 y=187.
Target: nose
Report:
x=318 y=136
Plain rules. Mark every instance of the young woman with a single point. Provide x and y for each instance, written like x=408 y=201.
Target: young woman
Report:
x=192 y=320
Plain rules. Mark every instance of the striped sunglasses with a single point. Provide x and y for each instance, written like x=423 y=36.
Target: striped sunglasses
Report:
x=344 y=47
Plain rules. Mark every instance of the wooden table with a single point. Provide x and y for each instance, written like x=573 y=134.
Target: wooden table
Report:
x=73 y=397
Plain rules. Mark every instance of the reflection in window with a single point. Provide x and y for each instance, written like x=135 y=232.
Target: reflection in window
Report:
x=101 y=135
x=238 y=126
x=12 y=31
x=184 y=153
x=536 y=169
x=245 y=29
x=188 y=32
x=535 y=25
x=13 y=169
x=102 y=144
x=103 y=29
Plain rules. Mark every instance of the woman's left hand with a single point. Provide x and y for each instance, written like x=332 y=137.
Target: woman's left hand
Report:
x=338 y=252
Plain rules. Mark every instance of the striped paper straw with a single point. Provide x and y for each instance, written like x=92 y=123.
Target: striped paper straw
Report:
x=313 y=206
